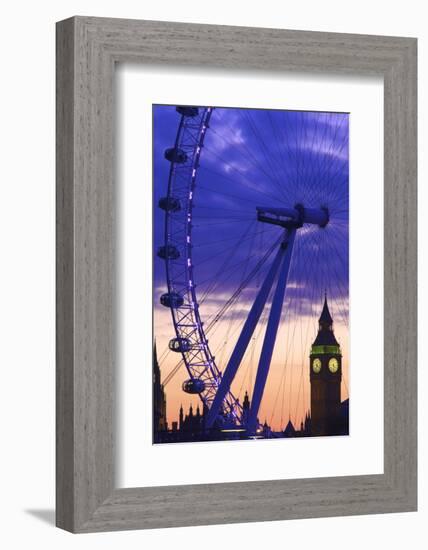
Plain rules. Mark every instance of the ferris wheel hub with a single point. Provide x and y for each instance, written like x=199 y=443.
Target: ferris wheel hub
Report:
x=293 y=218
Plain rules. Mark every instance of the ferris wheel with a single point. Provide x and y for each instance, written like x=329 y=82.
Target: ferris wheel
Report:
x=255 y=229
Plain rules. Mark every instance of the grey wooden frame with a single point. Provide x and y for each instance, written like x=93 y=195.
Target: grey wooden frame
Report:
x=87 y=50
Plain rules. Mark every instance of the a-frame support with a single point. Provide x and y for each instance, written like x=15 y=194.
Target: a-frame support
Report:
x=280 y=264
x=271 y=332
x=291 y=219
x=244 y=339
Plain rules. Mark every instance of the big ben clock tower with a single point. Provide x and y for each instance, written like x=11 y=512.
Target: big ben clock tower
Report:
x=326 y=375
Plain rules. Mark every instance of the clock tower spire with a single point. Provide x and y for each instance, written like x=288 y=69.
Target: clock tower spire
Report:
x=325 y=362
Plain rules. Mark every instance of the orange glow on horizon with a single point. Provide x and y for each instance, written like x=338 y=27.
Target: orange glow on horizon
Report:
x=287 y=392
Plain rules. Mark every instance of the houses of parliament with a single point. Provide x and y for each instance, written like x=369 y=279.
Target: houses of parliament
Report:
x=328 y=415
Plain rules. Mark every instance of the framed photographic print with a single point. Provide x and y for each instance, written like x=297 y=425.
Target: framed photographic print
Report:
x=236 y=289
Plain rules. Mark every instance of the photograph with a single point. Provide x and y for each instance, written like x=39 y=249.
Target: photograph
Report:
x=251 y=274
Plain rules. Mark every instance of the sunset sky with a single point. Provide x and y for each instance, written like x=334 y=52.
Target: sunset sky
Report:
x=260 y=158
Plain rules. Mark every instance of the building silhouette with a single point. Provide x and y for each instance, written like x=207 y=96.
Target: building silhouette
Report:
x=245 y=409
x=160 y=423
x=328 y=416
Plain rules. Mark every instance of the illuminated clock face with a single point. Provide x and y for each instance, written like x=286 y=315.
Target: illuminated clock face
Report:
x=333 y=365
x=316 y=365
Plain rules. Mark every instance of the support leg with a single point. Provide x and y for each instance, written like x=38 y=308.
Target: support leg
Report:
x=244 y=338
x=271 y=332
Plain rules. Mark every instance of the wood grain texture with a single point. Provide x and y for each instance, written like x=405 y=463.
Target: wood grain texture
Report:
x=64 y=277
x=87 y=50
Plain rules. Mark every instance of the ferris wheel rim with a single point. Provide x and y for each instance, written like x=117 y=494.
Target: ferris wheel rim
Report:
x=211 y=374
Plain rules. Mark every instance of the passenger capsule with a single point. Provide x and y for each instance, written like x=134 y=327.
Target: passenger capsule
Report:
x=174 y=154
x=179 y=345
x=172 y=299
x=187 y=111
x=193 y=386
x=170 y=204
x=168 y=252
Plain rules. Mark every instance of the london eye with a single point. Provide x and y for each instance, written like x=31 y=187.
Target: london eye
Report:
x=255 y=232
